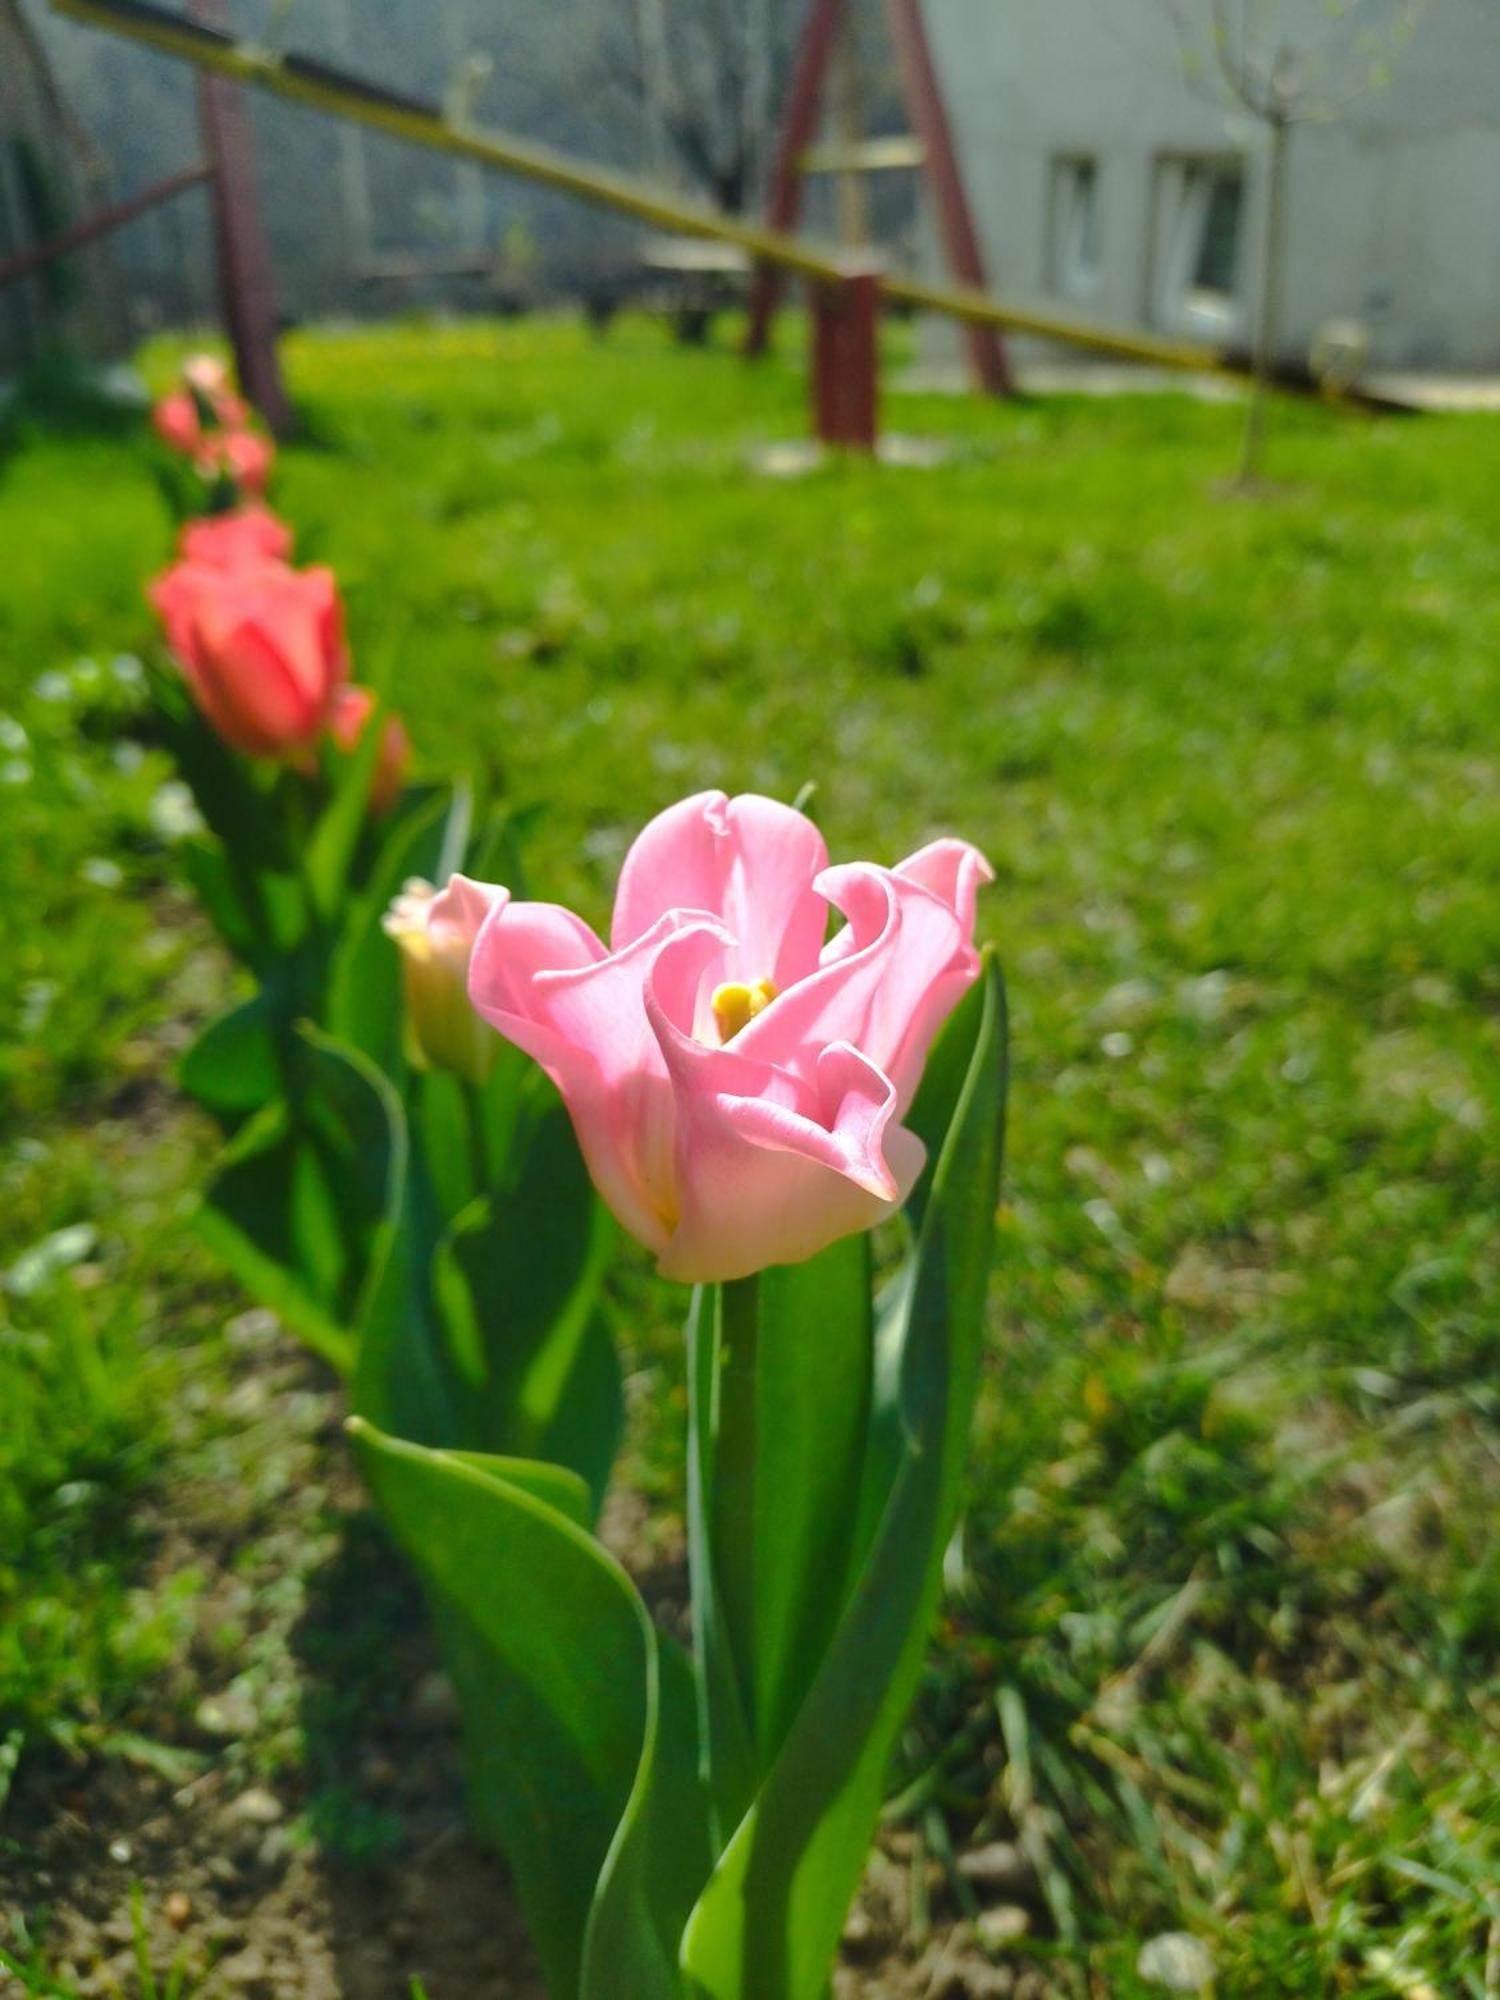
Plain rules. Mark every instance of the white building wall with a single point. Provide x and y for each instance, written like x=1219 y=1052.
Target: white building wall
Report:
x=1393 y=207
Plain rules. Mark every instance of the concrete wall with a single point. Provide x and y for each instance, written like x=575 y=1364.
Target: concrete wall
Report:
x=1393 y=206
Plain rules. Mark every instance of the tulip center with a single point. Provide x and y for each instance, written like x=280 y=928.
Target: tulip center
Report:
x=735 y=1005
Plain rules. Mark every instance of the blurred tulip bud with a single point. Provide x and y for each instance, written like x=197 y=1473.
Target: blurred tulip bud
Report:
x=224 y=541
x=176 y=422
x=347 y=719
x=262 y=649
x=244 y=458
x=207 y=382
x=435 y=933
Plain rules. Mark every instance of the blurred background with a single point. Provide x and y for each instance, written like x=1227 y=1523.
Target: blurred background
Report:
x=1174 y=583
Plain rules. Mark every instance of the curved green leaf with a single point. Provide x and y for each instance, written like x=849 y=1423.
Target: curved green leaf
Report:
x=233 y=1067
x=517 y=1280
x=580 y=1743
x=300 y=1205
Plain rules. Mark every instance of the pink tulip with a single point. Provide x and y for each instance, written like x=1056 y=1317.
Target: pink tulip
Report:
x=261 y=646
x=207 y=381
x=177 y=423
x=351 y=710
x=207 y=376
x=244 y=458
x=224 y=541
x=736 y=1084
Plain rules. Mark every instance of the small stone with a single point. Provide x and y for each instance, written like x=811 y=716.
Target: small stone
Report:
x=253 y=1328
x=178 y=1909
x=984 y=1982
x=275 y=1850
x=227 y=1714
x=1177 y=1961
x=257 y=1807
x=999 y=1868
x=433 y=1699
x=119 y=1850
x=247 y=1970
x=861 y=1933
x=1006 y=1924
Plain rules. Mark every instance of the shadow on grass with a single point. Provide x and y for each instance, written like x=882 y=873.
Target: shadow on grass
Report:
x=410 y=1893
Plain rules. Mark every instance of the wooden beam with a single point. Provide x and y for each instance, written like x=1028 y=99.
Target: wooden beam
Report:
x=987 y=354
x=327 y=89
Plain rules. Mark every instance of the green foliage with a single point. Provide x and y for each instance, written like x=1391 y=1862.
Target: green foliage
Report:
x=1235 y=763
x=582 y=1722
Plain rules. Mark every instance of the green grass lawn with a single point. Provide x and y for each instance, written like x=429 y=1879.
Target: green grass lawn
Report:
x=1224 y=1652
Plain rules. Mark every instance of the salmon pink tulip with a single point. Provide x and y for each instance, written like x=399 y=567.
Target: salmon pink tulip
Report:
x=244 y=458
x=736 y=1084
x=435 y=937
x=176 y=422
x=261 y=646
x=224 y=541
x=351 y=710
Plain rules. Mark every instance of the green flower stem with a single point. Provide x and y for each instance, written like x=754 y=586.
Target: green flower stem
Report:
x=729 y=1766
x=733 y=1500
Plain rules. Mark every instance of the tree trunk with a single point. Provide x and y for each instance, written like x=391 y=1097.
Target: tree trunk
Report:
x=1268 y=301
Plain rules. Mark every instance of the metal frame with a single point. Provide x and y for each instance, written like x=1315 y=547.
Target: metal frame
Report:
x=795 y=156
x=326 y=88
x=103 y=222
x=246 y=284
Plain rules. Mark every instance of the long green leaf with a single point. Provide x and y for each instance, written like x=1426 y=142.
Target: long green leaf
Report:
x=517 y=1282
x=767 y=1925
x=580 y=1742
x=301 y=1200
x=234 y=1065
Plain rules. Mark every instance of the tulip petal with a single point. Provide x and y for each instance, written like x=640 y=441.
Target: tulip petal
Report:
x=261 y=647
x=885 y=984
x=458 y=911
x=541 y=977
x=953 y=870
x=771 y=1168
x=762 y=1183
x=260 y=695
x=749 y=861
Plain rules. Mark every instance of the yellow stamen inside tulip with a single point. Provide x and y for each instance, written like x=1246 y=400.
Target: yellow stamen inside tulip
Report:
x=735 y=1006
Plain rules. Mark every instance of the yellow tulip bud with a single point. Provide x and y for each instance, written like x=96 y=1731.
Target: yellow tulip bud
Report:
x=434 y=933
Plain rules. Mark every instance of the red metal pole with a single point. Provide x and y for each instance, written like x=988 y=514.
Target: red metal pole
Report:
x=955 y=222
x=103 y=222
x=798 y=130
x=245 y=281
x=845 y=373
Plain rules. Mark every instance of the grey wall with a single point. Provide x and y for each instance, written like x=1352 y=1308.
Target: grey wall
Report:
x=1393 y=206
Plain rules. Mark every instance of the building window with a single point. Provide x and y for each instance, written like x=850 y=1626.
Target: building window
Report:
x=1074 y=226
x=1199 y=236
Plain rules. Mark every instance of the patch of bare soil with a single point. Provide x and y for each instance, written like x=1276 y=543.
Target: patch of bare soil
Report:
x=282 y=1817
